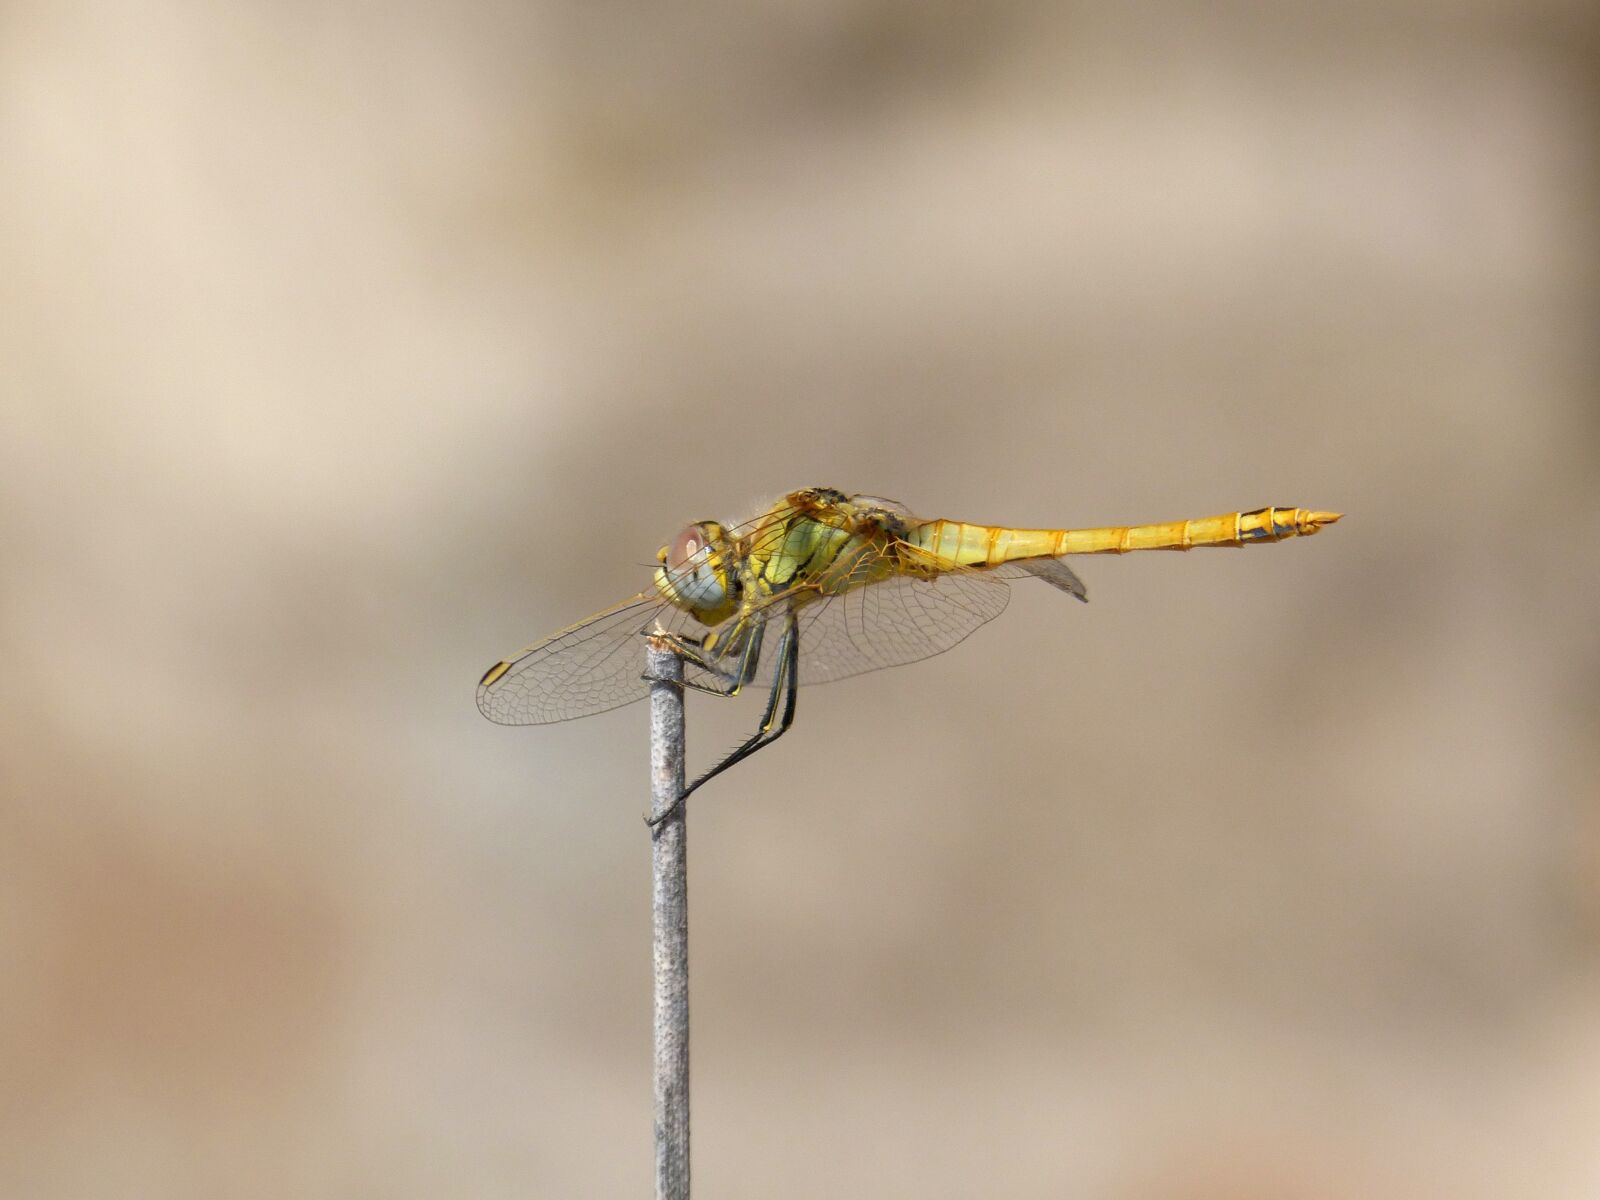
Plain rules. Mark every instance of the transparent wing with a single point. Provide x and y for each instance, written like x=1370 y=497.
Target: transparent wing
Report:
x=1052 y=570
x=899 y=620
x=906 y=618
x=585 y=669
x=596 y=664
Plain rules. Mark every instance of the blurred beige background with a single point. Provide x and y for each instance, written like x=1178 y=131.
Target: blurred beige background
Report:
x=345 y=348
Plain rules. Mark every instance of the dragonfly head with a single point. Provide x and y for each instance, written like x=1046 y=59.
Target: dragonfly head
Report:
x=697 y=572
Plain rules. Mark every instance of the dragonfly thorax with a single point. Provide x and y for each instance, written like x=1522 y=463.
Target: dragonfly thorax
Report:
x=696 y=572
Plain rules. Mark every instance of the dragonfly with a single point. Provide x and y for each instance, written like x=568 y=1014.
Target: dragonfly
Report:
x=821 y=586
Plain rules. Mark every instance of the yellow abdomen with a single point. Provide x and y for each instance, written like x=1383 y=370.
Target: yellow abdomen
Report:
x=956 y=543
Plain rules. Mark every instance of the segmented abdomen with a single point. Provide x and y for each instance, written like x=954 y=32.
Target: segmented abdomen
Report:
x=961 y=543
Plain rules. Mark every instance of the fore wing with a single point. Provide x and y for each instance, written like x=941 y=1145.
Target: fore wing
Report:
x=596 y=664
x=585 y=669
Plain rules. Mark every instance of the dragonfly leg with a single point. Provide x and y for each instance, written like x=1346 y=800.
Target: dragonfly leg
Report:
x=785 y=686
x=729 y=683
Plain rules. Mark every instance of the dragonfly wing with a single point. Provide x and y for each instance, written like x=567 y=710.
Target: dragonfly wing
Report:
x=1052 y=570
x=587 y=668
x=595 y=665
x=899 y=620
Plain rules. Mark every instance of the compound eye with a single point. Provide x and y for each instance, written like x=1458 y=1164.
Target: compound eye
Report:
x=684 y=547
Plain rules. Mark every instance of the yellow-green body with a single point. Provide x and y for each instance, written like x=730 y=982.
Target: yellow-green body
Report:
x=794 y=575
x=819 y=542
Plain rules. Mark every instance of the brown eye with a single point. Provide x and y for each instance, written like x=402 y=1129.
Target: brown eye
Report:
x=684 y=547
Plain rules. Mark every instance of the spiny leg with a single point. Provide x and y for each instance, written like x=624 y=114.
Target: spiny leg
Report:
x=689 y=649
x=785 y=683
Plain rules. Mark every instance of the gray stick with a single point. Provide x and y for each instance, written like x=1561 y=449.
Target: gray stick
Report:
x=670 y=903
